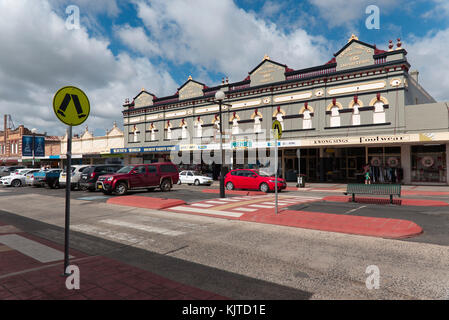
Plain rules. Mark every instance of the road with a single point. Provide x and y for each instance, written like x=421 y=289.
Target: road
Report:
x=236 y=259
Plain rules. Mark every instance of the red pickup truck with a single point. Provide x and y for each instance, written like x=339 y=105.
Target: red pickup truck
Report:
x=141 y=176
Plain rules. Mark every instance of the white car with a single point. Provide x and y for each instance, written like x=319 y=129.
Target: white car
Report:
x=75 y=178
x=194 y=177
x=17 y=178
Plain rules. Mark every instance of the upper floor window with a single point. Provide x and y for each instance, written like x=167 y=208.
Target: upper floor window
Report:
x=355 y=104
x=168 y=127
x=183 y=126
x=153 y=132
x=307 y=112
x=216 y=123
x=199 y=127
x=235 y=123
x=335 y=108
x=279 y=114
x=257 y=116
x=135 y=132
x=379 y=110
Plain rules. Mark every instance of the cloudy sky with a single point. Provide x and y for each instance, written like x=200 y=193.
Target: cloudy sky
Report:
x=125 y=45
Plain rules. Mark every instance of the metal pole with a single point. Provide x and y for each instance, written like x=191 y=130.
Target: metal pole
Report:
x=222 y=186
x=34 y=138
x=67 y=200
x=276 y=168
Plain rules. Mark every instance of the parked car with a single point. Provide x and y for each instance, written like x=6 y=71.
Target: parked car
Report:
x=77 y=170
x=143 y=176
x=252 y=180
x=48 y=177
x=16 y=178
x=6 y=171
x=194 y=177
x=90 y=175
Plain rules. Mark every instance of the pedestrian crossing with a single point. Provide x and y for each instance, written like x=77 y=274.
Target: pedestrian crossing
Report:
x=236 y=207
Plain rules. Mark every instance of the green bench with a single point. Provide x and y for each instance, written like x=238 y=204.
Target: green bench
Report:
x=375 y=189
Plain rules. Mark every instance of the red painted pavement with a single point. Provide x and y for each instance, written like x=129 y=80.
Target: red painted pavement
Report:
x=366 y=226
x=101 y=278
x=424 y=193
x=403 y=202
x=145 y=202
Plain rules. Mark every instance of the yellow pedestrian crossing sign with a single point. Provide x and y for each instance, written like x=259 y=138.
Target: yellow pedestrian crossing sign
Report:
x=71 y=106
x=277 y=129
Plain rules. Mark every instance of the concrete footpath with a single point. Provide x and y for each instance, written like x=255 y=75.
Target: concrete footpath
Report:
x=31 y=269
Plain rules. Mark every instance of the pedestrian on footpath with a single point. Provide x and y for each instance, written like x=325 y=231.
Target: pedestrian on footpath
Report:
x=366 y=170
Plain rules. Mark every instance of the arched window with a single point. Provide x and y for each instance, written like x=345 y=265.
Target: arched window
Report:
x=235 y=123
x=279 y=114
x=168 y=130
x=307 y=112
x=136 y=133
x=183 y=126
x=216 y=123
x=355 y=105
x=199 y=127
x=335 y=108
x=379 y=110
x=257 y=116
x=153 y=132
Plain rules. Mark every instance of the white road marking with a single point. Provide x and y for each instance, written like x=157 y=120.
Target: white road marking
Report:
x=245 y=209
x=355 y=209
x=33 y=249
x=207 y=211
x=145 y=228
x=109 y=234
x=229 y=199
x=260 y=206
x=215 y=202
x=201 y=205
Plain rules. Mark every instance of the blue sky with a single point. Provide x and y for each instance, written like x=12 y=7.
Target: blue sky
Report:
x=125 y=45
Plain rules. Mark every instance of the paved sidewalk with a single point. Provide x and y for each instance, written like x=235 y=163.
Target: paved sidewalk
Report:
x=24 y=277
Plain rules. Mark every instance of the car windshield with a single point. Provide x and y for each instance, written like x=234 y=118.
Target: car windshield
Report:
x=126 y=169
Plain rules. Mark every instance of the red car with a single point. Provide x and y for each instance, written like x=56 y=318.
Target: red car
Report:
x=252 y=179
x=141 y=176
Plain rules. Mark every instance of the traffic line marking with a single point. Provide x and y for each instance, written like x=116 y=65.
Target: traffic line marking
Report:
x=207 y=211
x=140 y=227
x=202 y=205
x=261 y=206
x=245 y=209
x=109 y=234
x=215 y=202
x=32 y=249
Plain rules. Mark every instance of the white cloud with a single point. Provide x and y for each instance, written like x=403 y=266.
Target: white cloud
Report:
x=427 y=55
x=220 y=37
x=349 y=13
x=39 y=55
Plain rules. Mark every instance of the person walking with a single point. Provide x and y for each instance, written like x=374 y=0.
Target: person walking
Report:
x=366 y=173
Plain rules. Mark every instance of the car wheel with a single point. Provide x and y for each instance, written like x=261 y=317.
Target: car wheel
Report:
x=121 y=189
x=230 y=186
x=264 y=187
x=16 y=183
x=165 y=185
x=197 y=182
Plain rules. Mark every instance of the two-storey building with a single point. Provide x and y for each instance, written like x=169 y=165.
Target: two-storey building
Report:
x=363 y=106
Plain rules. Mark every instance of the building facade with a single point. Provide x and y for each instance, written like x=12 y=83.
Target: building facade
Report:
x=88 y=149
x=364 y=106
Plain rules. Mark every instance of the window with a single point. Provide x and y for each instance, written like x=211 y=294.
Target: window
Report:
x=257 y=116
x=168 y=168
x=136 y=134
x=307 y=120
x=152 y=169
x=235 y=124
x=356 y=114
x=183 y=126
x=183 y=174
x=335 y=117
x=168 y=131
x=199 y=128
x=190 y=174
x=379 y=112
x=140 y=169
x=153 y=132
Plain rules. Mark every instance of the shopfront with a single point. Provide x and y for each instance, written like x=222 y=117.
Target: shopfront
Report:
x=428 y=163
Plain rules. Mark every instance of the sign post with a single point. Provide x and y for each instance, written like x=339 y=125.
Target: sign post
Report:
x=277 y=132
x=62 y=102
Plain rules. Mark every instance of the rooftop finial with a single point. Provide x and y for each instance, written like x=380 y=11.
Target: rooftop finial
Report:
x=190 y=78
x=353 y=37
x=266 y=57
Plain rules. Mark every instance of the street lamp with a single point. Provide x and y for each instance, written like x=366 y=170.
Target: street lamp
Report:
x=219 y=97
x=33 y=131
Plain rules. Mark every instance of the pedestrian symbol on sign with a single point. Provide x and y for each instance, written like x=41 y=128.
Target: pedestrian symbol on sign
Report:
x=71 y=106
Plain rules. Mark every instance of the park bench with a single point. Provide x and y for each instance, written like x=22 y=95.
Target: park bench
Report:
x=375 y=189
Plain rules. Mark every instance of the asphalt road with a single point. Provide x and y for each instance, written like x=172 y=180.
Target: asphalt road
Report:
x=240 y=260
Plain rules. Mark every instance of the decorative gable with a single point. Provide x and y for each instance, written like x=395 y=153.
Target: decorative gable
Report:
x=191 y=89
x=266 y=72
x=143 y=99
x=355 y=54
